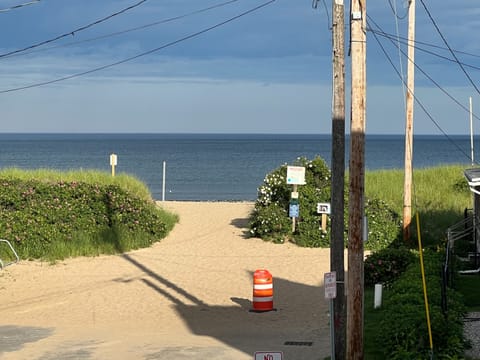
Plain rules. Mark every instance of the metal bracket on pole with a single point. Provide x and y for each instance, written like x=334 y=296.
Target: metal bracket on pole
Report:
x=17 y=259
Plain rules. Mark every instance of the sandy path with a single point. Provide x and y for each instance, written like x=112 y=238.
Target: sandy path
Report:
x=187 y=297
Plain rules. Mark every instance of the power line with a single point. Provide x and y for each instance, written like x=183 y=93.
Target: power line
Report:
x=105 y=36
x=385 y=34
x=76 y=30
x=394 y=10
x=19 y=6
x=424 y=72
x=396 y=38
x=141 y=54
x=417 y=100
x=448 y=46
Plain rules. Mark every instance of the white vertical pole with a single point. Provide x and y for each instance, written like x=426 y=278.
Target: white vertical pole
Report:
x=377 y=301
x=471 y=132
x=163 y=180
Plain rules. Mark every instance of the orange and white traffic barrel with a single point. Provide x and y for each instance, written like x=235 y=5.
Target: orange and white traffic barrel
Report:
x=262 y=290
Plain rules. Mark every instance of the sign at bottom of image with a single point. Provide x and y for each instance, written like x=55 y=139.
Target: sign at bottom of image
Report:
x=268 y=355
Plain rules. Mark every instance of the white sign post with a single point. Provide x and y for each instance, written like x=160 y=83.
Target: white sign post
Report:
x=113 y=163
x=330 y=283
x=295 y=177
x=324 y=210
x=268 y=355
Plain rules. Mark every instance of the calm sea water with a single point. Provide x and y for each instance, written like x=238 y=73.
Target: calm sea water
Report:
x=212 y=167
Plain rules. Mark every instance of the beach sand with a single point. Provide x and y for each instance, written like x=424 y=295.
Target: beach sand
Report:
x=186 y=297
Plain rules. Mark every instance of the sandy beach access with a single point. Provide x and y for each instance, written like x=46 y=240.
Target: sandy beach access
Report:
x=187 y=297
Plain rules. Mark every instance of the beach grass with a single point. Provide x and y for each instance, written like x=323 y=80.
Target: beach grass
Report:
x=126 y=181
x=440 y=196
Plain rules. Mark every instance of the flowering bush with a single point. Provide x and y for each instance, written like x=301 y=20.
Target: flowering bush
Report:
x=386 y=265
x=270 y=217
x=38 y=215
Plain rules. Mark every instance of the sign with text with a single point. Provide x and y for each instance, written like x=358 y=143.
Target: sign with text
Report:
x=294 y=210
x=295 y=175
x=268 y=355
x=323 y=208
x=330 y=282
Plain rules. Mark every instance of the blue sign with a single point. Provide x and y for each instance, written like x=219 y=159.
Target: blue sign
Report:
x=294 y=210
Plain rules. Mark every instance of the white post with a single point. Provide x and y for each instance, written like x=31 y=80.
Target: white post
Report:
x=163 y=180
x=471 y=132
x=378 y=296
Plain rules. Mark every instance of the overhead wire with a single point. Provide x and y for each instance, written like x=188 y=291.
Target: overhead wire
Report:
x=76 y=30
x=417 y=42
x=105 y=36
x=193 y=35
x=394 y=10
x=422 y=106
x=394 y=37
x=448 y=46
x=426 y=74
x=19 y=6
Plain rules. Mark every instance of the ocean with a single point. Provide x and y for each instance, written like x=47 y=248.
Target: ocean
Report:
x=213 y=167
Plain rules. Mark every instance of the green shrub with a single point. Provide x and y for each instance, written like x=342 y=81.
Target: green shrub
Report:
x=385 y=266
x=270 y=218
x=57 y=219
x=403 y=332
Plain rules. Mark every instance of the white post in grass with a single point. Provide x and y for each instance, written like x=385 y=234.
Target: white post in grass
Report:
x=163 y=180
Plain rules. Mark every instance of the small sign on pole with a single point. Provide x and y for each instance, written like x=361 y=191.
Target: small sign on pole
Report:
x=330 y=281
x=268 y=355
x=113 y=163
x=323 y=208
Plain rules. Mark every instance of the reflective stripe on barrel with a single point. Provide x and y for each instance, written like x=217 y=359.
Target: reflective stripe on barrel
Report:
x=262 y=290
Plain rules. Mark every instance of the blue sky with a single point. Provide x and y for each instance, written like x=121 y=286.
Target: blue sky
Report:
x=267 y=71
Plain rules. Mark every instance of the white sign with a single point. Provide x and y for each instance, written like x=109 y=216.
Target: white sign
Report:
x=323 y=208
x=113 y=159
x=268 y=355
x=295 y=175
x=330 y=283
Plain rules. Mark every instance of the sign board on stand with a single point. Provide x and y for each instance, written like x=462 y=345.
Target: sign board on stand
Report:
x=295 y=175
x=268 y=355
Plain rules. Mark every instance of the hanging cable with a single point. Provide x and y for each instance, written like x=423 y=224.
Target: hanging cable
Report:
x=449 y=48
x=141 y=54
x=394 y=8
x=159 y=22
x=419 y=102
x=405 y=42
x=19 y=6
x=75 y=31
x=428 y=76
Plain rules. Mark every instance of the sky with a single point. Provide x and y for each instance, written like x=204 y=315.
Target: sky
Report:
x=220 y=66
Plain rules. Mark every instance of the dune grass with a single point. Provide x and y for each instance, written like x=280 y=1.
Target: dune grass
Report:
x=440 y=196
x=126 y=181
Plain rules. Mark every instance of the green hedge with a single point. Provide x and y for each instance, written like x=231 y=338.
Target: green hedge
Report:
x=57 y=219
x=403 y=331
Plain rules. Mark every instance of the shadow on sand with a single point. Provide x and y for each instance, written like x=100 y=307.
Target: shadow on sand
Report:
x=299 y=327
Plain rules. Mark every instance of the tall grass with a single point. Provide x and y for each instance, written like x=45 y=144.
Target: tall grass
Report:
x=125 y=181
x=440 y=196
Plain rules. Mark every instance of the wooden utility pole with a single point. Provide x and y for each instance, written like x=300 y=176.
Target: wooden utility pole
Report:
x=337 y=246
x=357 y=182
x=407 y=185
